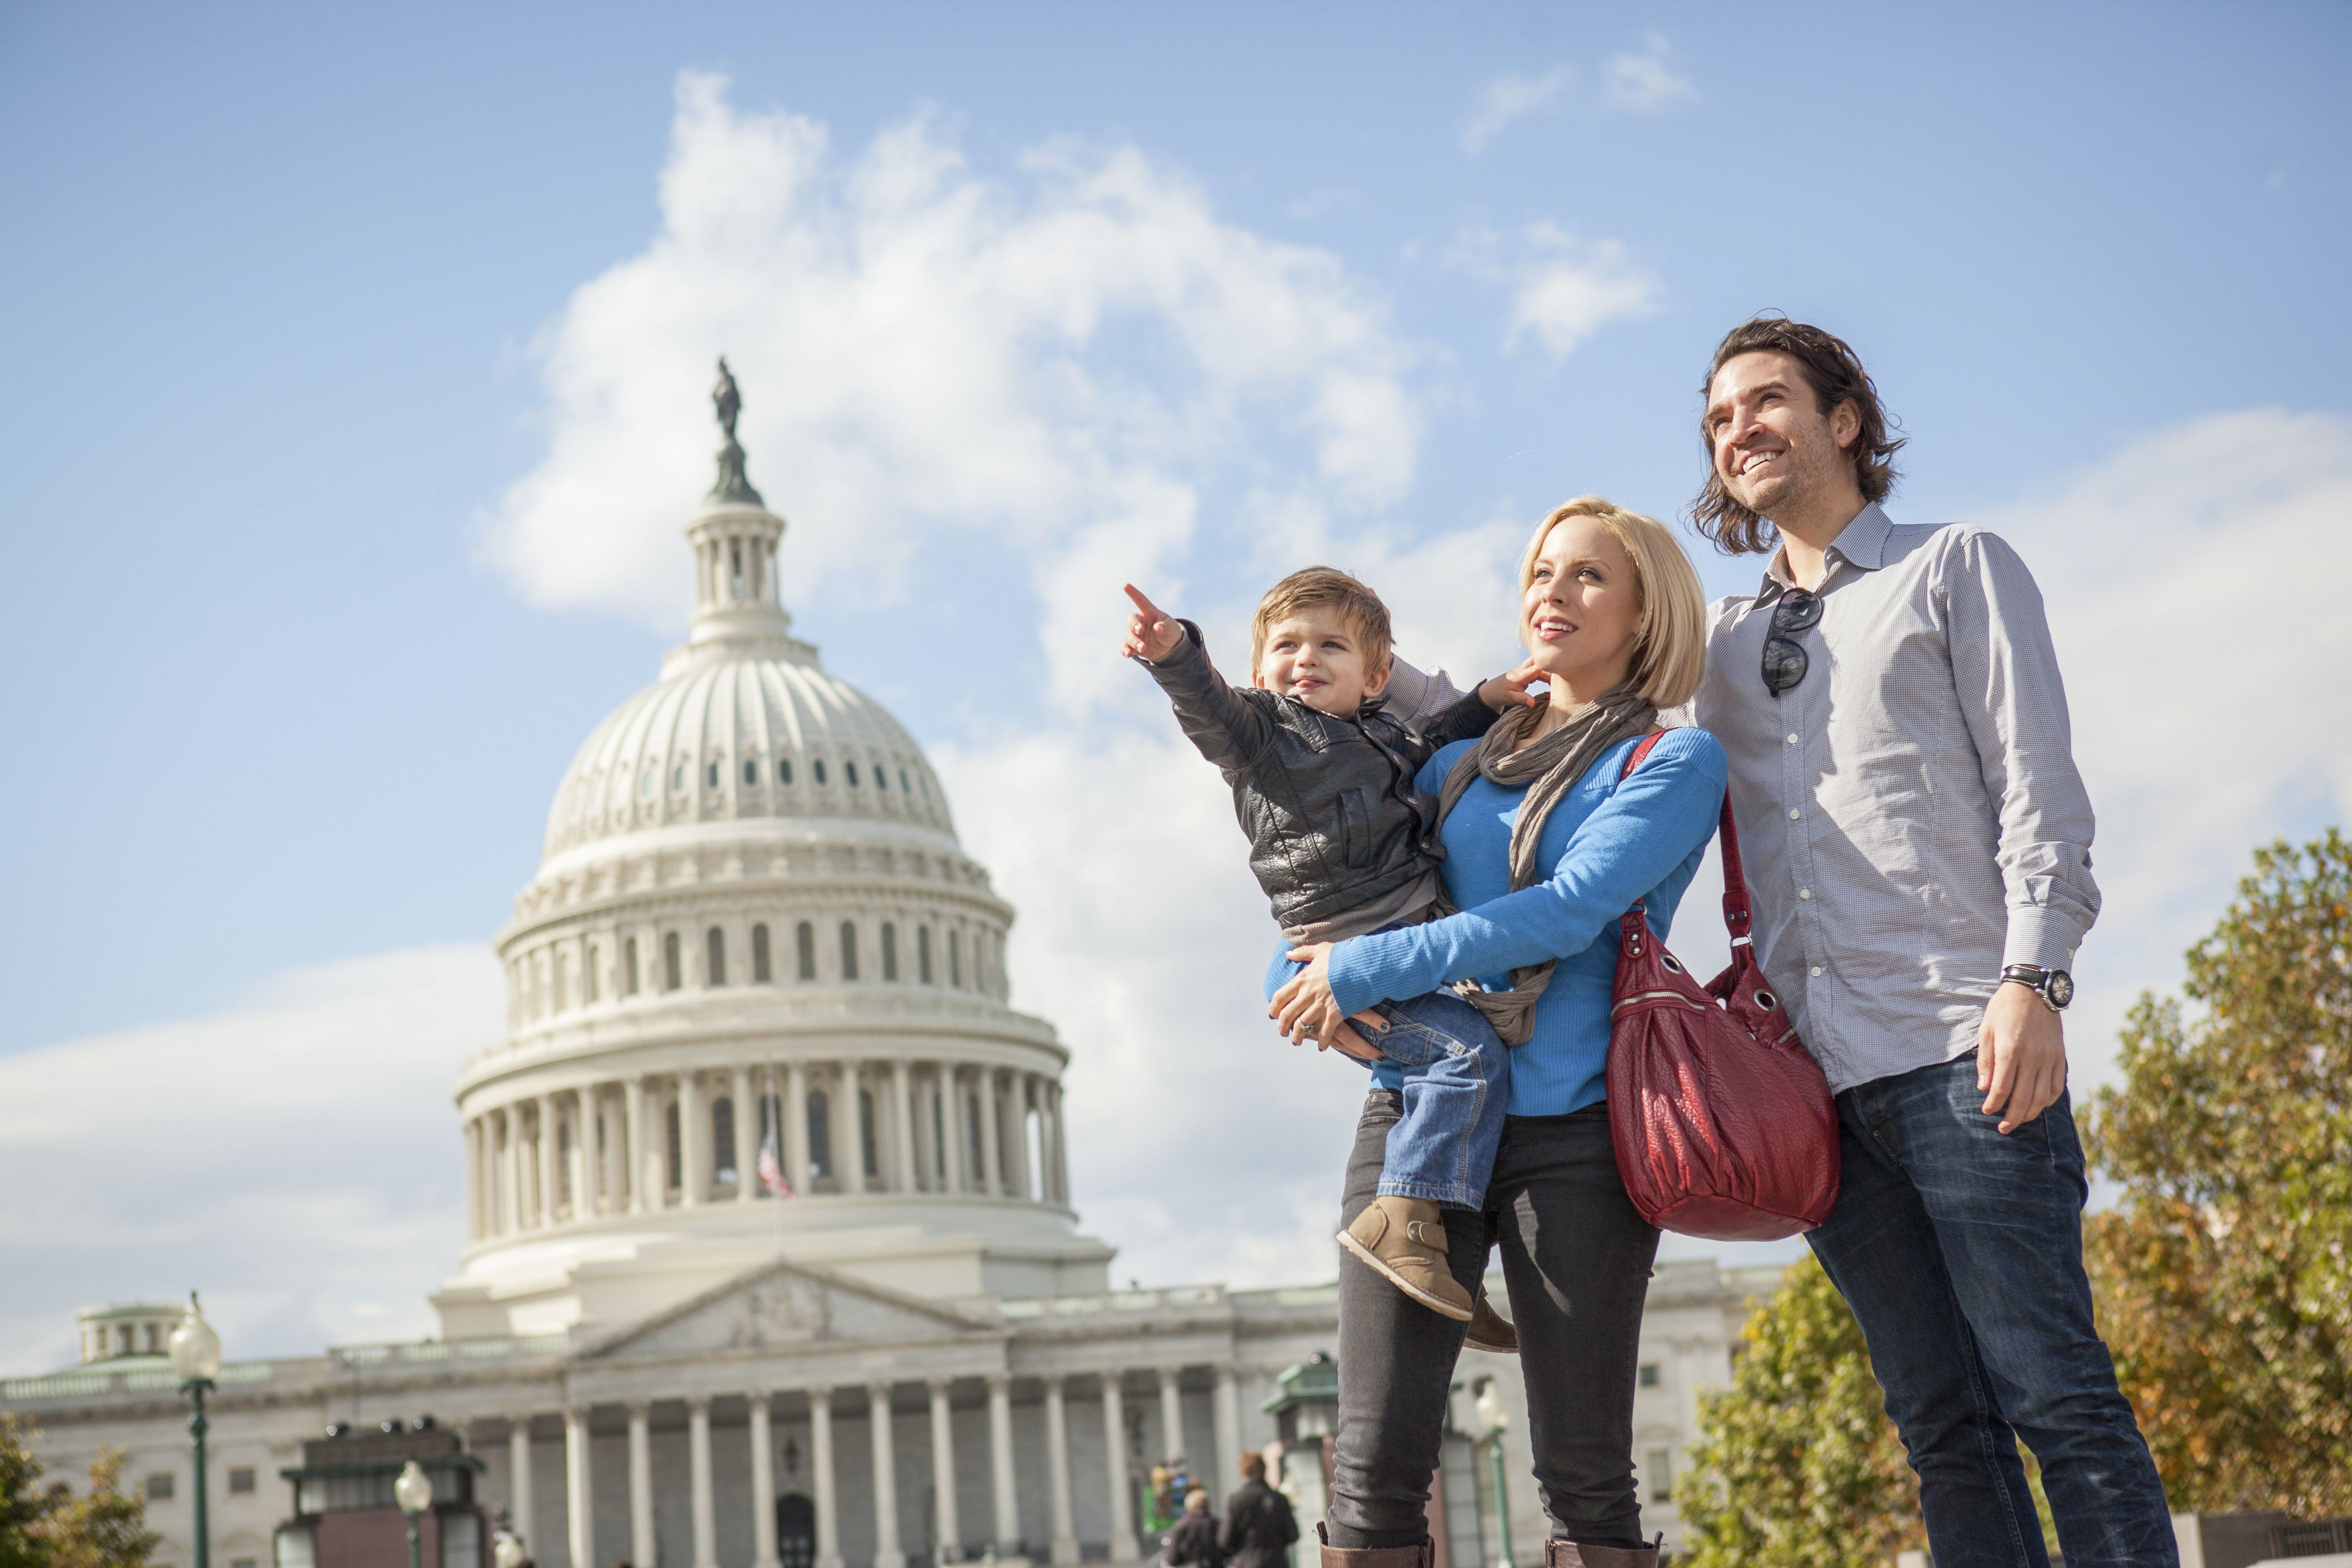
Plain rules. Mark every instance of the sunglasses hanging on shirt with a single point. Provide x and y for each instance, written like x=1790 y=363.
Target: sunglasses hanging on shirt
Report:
x=1784 y=658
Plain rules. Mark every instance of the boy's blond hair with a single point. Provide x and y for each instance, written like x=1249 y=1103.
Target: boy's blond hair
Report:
x=1670 y=651
x=1320 y=586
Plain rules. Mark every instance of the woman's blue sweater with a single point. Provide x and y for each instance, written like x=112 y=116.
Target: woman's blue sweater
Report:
x=1608 y=844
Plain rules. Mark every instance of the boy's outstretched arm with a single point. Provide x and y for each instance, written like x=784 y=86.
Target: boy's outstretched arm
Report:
x=1226 y=729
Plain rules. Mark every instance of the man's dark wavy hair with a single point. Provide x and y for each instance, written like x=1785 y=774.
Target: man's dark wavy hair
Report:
x=1837 y=376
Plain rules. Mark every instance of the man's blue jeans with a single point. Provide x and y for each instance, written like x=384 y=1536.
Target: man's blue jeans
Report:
x=1960 y=1251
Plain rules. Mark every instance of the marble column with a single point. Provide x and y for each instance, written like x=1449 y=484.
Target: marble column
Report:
x=548 y=1178
x=584 y=1196
x=950 y=1546
x=641 y=1542
x=1228 y=1411
x=697 y=1460
x=472 y=1182
x=1171 y=1412
x=633 y=1110
x=902 y=1118
x=747 y=1157
x=614 y=1144
x=763 y=1481
x=959 y=1133
x=991 y=1134
x=1058 y=1472
x=693 y=1143
x=829 y=1504
x=1061 y=1150
x=579 y=1495
x=1025 y=1185
x=796 y=1138
x=887 y=1551
x=1123 y=1546
x=849 y=1111
x=1000 y=1468
x=514 y=1184
x=518 y=1498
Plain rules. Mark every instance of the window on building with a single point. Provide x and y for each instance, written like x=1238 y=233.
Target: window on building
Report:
x=805 y=939
x=677 y=1148
x=783 y=770
x=923 y=955
x=629 y=967
x=678 y=776
x=589 y=980
x=723 y=1138
x=562 y=1161
x=240 y=1479
x=881 y=777
x=751 y=772
x=939 y=1135
x=761 y=970
x=865 y=1138
x=159 y=1487
x=849 y=950
x=955 y=958
x=673 y=969
x=1661 y=1469
x=820 y=1133
x=890 y=950
x=1652 y=1374
x=818 y=763
x=851 y=769
x=713 y=775
x=973 y=1143
x=714 y=946
x=902 y=783
x=645 y=784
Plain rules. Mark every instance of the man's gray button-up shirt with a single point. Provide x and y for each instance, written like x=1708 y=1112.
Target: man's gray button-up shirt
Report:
x=1909 y=811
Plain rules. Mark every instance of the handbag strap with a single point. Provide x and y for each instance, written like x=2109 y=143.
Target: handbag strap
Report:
x=1736 y=916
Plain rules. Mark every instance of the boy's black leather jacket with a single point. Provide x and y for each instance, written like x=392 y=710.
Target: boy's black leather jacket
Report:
x=1333 y=816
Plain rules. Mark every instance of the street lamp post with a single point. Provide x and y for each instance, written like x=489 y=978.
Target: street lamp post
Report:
x=1495 y=1415
x=414 y=1492
x=196 y=1357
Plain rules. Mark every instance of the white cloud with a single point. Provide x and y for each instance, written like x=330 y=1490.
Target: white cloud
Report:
x=1645 y=83
x=1564 y=288
x=1511 y=98
x=294 y=1156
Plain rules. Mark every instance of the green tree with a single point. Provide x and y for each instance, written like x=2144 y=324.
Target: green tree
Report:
x=1797 y=1465
x=23 y=1504
x=2224 y=1274
x=46 y=1526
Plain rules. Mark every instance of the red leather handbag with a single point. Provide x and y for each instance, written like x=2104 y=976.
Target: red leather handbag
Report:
x=1722 y=1120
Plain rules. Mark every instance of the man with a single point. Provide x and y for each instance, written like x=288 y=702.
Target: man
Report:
x=1917 y=842
x=1259 y=1525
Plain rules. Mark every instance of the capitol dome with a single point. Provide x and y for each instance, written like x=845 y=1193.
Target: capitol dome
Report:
x=756 y=1003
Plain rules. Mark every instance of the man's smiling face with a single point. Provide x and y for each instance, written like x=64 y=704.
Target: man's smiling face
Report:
x=1772 y=442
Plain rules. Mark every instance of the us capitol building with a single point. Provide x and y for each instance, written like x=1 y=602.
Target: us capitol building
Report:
x=754 y=929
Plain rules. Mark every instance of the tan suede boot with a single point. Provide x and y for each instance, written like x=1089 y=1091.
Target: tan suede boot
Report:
x=1404 y=1239
x=1569 y=1554
x=1490 y=1330
x=1419 y=1556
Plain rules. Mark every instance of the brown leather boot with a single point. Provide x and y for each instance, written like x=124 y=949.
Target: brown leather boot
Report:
x=1419 y=1556
x=1490 y=1330
x=1569 y=1554
x=1404 y=1239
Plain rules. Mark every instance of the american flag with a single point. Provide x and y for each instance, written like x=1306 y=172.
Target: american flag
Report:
x=772 y=1168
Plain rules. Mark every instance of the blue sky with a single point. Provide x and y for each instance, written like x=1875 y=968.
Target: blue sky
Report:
x=309 y=313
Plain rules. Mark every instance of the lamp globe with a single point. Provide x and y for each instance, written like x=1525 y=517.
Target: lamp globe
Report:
x=414 y=1490
x=196 y=1348
x=1492 y=1412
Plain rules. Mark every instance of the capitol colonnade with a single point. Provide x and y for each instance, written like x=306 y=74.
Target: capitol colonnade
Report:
x=583 y=1148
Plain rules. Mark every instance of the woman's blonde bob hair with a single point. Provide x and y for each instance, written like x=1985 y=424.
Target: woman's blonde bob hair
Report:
x=1670 y=650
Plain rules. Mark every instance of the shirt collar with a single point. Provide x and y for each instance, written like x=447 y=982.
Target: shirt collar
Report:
x=1860 y=542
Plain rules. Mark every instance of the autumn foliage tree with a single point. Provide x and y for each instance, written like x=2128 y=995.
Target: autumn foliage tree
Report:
x=45 y=1525
x=2224 y=1274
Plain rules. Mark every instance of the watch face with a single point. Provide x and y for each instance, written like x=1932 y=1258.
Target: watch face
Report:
x=2061 y=988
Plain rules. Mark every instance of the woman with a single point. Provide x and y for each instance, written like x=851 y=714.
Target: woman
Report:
x=1545 y=847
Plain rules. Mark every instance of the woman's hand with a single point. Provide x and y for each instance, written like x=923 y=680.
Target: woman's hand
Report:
x=1304 y=1009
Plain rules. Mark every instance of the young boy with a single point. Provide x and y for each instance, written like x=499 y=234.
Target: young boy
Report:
x=1343 y=843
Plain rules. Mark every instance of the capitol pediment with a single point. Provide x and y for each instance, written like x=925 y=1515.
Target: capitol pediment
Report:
x=785 y=1306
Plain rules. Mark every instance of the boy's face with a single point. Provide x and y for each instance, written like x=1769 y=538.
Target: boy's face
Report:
x=1315 y=656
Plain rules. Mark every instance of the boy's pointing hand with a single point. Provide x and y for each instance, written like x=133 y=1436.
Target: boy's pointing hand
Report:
x=1152 y=633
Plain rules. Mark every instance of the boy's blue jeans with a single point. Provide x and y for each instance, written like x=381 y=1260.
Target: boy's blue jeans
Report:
x=1960 y=1251
x=1456 y=1075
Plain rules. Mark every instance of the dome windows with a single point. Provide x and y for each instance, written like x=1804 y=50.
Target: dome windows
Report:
x=881 y=777
x=678 y=776
x=805 y=939
x=673 y=970
x=890 y=950
x=783 y=770
x=751 y=772
x=645 y=784
x=851 y=769
x=817 y=765
x=955 y=959
x=903 y=788
x=711 y=775
x=629 y=986
x=849 y=950
x=923 y=955
x=714 y=957
x=762 y=971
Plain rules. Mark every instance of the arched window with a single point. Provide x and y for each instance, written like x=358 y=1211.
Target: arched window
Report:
x=673 y=971
x=804 y=938
x=562 y=1161
x=866 y=1132
x=714 y=947
x=902 y=783
x=629 y=967
x=849 y=950
x=818 y=763
x=713 y=775
x=851 y=769
x=889 y=952
x=751 y=772
x=761 y=971
x=783 y=770
x=923 y=955
x=820 y=1133
x=723 y=1138
x=881 y=777
x=955 y=958
x=677 y=1151
x=592 y=980
x=678 y=776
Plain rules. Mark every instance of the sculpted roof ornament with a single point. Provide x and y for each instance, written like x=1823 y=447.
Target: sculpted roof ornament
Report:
x=734 y=486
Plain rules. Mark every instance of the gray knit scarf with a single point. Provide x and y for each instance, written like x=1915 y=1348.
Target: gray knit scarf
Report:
x=1547 y=769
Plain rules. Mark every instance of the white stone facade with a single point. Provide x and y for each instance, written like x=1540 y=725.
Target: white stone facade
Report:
x=753 y=926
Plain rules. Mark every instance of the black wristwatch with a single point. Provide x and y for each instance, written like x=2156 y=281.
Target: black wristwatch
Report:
x=2054 y=986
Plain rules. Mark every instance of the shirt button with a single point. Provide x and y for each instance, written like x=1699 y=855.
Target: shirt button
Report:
x=1804 y=893
x=1792 y=740
x=1817 y=972
x=1794 y=814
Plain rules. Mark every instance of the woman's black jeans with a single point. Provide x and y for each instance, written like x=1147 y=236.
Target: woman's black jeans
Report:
x=1577 y=1259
